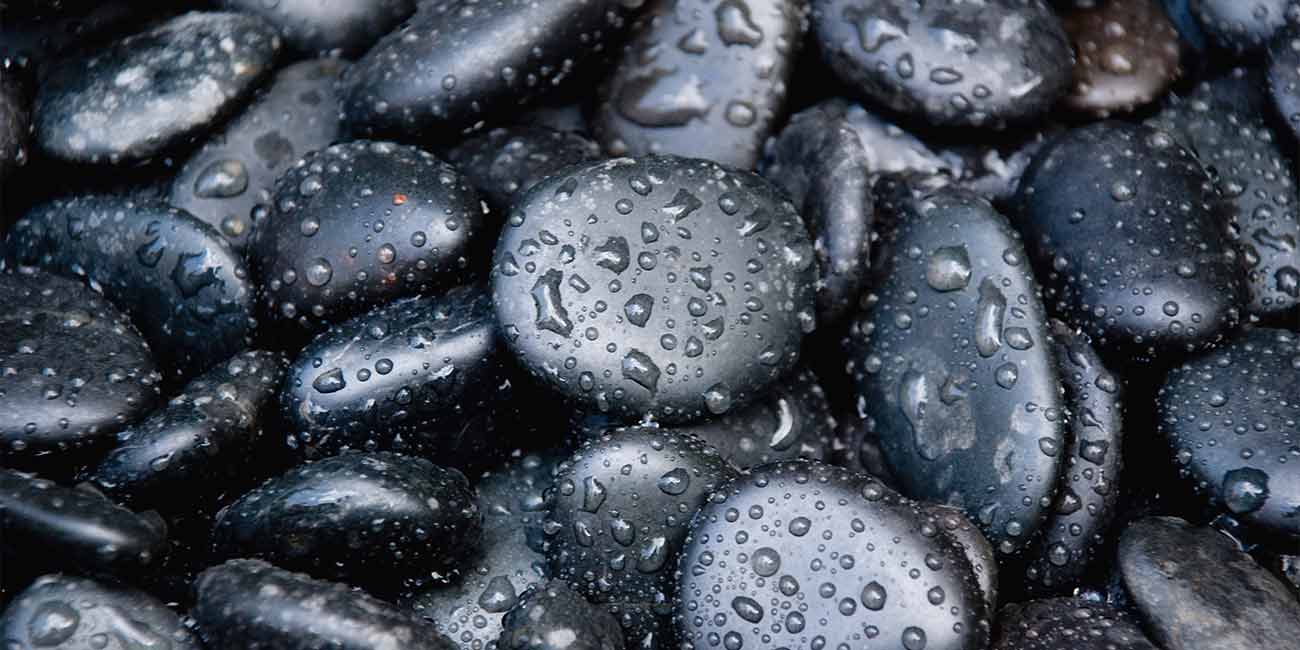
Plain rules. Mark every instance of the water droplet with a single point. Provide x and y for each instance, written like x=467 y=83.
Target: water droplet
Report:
x=638 y=367
x=874 y=596
x=319 y=272
x=551 y=314
x=593 y=494
x=747 y=608
x=766 y=562
x=53 y=623
x=221 y=179
x=949 y=269
x=1245 y=490
x=989 y=312
x=675 y=481
x=330 y=381
x=736 y=25
x=717 y=399
x=638 y=309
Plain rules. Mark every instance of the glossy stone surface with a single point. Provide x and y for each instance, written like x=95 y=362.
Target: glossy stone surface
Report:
x=359 y=224
x=554 y=617
x=952 y=359
x=1230 y=418
x=425 y=376
x=1127 y=54
x=152 y=90
x=63 y=612
x=1102 y=201
x=75 y=527
x=252 y=604
x=1068 y=624
x=958 y=64
x=15 y=119
x=803 y=550
x=505 y=162
x=347 y=27
x=204 y=439
x=368 y=518
x=1240 y=27
x=228 y=182
x=72 y=368
x=702 y=80
x=665 y=286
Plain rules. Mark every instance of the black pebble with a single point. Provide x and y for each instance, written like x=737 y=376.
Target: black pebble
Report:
x=702 y=81
x=665 y=286
x=956 y=64
x=72 y=368
x=425 y=376
x=180 y=282
x=1241 y=27
x=1230 y=417
x=204 y=440
x=1129 y=204
x=245 y=604
x=345 y=27
x=506 y=162
x=800 y=550
x=359 y=224
x=618 y=512
x=1090 y=490
x=153 y=90
x=1284 y=76
x=1068 y=624
x=61 y=612
x=554 y=617
x=370 y=518
x=228 y=183
x=1197 y=591
x=952 y=359
x=75 y=528
x=454 y=64
x=15 y=118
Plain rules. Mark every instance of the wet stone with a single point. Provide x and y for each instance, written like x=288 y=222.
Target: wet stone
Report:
x=1068 y=624
x=801 y=550
x=249 y=603
x=359 y=224
x=72 y=368
x=960 y=377
x=369 y=518
x=228 y=182
x=1284 y=76
x=347 y=27
x=454 y=64
x=1229 y=417
x=683 y=293
x=555 y=617
x=15 y=120
x=75 y=528
x=203 y=440
x=618 y=510
x=505 y=162
x=1241 y=27
x=1127 y=54
x=1088 y=499
x=1102 y=201
x=62 y=612
x=152 y=90
x=175 y=276
x=702 y=81
x=424 y=376
x=1197 y=591
x=957 y=64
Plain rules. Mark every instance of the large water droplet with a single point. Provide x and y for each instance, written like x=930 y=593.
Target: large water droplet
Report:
x=221 y=179
x=949 y=269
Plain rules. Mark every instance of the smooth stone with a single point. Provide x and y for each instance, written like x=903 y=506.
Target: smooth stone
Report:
x=153 y=90
x=15 y=119
x=505 y=162
x=1244 y=26
x=555 y=617
x=820 y=161
x=1284 y=77
x=75 y=528
x=951 y=357
x=205 y=439
x=228 y=182
x=508 y=563
x=178 y=279
x=1101 y=201
x=62 y=612
x=954 y=64
x=1068 y=624
x=72 y=368
x=246 y=604
x=979 y=552
x=1229 y=417
x=702 y=82
x=346 y=27
x=456 y=64
x=1254 y=173
x=1197 y=591
x=797 y=550
x=684 y=293
x=371 y=518
x=425 y=376
x=1126 y=55
x=358 y=225
x=618 y=512
x=1078 y=525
